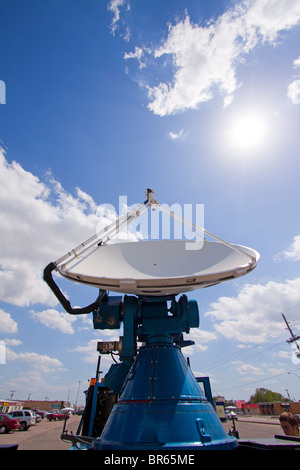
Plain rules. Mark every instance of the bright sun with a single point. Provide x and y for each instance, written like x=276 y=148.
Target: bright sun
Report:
x=247 y=133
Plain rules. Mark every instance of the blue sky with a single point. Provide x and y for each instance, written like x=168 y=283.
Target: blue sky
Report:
x=198 y=100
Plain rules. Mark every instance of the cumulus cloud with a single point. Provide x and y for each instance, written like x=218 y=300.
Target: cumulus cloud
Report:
x=293 y=252
x=293 y=91
x=201 y=338
x=88 y=352
x=36 y=361
x=205 y=57
x=255 y=311
x=7 y=324
x=39 y=222
x=55 y=320
x=296 y=62
x=246 y=369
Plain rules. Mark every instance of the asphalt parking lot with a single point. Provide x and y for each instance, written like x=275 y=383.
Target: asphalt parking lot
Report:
x=42 y=436
x=255 y=427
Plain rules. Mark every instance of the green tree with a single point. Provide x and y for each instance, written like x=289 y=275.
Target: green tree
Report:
x=263 y=395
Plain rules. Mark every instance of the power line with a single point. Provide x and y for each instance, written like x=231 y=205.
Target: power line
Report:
x=247 y=358
x=261 y=380
x=217 y=363
x=293 y=337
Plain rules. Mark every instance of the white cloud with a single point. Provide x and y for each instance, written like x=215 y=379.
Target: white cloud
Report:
x=12 y=342
x=39 y=222
x=296 y=62
x=269 y=17
x=88 y=352
x=293 y=91
x=248 y=369
x=139 y=54
x=293 y=252
x=205 y=57
x=32 y=383
x=201 y=338
x=277 y=371
x=283 y=354
x=7 y=324
x=115 y=7
x=37 y=361
x=255 y=311
x=55 y=320
x=200 y=63
x=180 y=135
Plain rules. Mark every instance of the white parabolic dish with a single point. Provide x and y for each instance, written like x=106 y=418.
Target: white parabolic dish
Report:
x=159 y=267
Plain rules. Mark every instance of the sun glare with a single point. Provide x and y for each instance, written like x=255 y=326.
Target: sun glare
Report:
x=247 y=133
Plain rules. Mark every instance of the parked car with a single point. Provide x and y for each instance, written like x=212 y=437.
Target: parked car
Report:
x=41 y=413
x=38 y=418
x=26 y=418
x=57 y=416
x=8 y=424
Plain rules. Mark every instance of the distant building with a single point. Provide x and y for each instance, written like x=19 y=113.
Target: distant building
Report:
x=45 y=405
x=250 y=409
x=6 y=406
x=239 y=404
x=270 y=408
x=276 y=408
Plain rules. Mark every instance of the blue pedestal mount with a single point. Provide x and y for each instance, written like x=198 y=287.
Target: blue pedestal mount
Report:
x=161 y=405
x=162 y=408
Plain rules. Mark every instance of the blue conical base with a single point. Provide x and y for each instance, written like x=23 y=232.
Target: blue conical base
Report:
x=162 y=408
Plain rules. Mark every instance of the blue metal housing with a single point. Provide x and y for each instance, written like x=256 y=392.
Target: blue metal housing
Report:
x=162 y=407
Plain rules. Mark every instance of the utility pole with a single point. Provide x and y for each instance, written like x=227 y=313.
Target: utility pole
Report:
x=77 y=393
x=293 y=338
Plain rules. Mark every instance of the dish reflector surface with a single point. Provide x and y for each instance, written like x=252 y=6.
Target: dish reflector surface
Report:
x=160 y=267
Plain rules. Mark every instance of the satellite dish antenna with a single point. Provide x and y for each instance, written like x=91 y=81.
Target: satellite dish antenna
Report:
x=154 y=267
x=160 y=267
x=160 y=406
